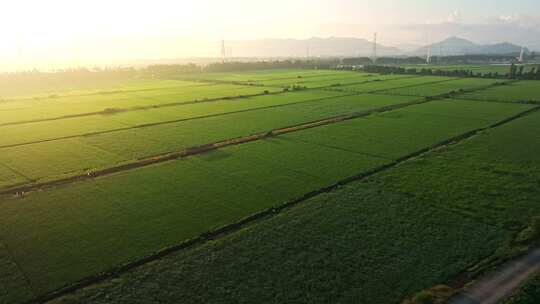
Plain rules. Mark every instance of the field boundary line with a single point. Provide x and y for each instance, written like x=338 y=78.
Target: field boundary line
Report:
x=106 y=112
x=165 y=122
x=269 y=212
x=16 y=172
x=191 y=151
x=251 y=80
x=259 y=84
x=531 y=102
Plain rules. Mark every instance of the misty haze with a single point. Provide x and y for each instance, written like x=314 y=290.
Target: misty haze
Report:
x=270 y=151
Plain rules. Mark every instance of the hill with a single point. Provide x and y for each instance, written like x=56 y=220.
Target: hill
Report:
x=454 y=46
x=323 y=47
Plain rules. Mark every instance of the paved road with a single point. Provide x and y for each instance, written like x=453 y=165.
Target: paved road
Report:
x=496 y=286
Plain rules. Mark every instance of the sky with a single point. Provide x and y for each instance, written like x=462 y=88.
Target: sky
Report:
x=80 y=31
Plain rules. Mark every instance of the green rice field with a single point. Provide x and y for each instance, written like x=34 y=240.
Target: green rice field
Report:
x=398 y=182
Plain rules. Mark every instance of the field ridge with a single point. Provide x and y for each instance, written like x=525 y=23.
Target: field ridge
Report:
x=190 y=151
x=165 y=122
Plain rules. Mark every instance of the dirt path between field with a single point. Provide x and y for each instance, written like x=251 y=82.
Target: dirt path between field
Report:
x=190 y=151
x=499 y=284
x=167 y=122
x=168 y=104
x=113 y=111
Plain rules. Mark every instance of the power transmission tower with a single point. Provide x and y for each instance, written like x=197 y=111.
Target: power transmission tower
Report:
x=374 y=54
x=428 y=57
x=223 y=52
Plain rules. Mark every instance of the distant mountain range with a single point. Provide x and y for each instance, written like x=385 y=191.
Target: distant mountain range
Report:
x=357 y=47
x=314 y=47
x=454 y=46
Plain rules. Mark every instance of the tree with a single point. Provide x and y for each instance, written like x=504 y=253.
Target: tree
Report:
x=512 y=73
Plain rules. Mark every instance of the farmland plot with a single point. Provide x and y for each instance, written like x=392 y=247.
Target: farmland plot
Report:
x=47 y=130
x=444 y=87
x=328 y=81
x=57 y=107
x=59 y=158
x=62 y=234
x=267 y=75
x=382 y=85
x=494 y=178
x=521 y=91
x=450 y=209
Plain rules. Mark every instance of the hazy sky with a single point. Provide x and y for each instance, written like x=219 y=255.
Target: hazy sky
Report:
x=64 y=30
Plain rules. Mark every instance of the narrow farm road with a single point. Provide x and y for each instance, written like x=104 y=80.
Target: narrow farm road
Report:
x=496 y=286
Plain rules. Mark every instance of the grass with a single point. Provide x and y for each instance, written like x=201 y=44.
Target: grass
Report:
x=122 y=217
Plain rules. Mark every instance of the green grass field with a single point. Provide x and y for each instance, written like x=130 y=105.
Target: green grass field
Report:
x=521 y=91
x=54 y=236
x=397 y=231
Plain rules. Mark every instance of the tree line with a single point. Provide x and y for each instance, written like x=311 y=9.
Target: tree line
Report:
x=515 y=72
x=518 y=72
